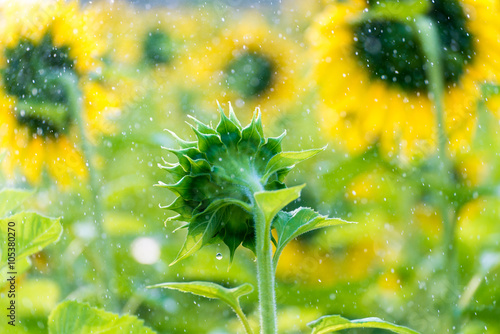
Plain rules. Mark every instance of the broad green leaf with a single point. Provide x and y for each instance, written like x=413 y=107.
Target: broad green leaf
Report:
x=290 y=225
x=32 y=232
x=334 y=323
x=271 y=202
x=214 y=291
x=72 y=317
x=11 y=199
x=287 y=159
x=209 y=290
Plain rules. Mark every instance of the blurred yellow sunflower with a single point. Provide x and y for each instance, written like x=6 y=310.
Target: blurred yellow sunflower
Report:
x=299 y=14
x=252 y=65
x=372 y=81
x=155 y=37
x=150 y=52
x=41 y=46
x=301 y=262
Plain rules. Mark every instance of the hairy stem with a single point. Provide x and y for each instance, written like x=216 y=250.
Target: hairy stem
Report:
x=265 y=274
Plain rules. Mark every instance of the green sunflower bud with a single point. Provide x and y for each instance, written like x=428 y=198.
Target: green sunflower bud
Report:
x=217 y=176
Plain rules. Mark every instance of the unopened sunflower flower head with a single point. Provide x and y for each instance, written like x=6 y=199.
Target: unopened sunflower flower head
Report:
x=217 y=176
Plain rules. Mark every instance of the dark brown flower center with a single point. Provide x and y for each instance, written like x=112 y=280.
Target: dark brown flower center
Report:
x=390 y=51
x=249 y=74
x=31 y=75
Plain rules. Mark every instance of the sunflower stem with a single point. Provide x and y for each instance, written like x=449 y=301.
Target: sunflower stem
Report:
x=265 y=274
x=70 y=84
x=429 y=40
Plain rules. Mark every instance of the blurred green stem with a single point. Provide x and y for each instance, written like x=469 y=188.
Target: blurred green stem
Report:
x=237 y=309
x=429 y=40
x=265 y=274
x=70 y=84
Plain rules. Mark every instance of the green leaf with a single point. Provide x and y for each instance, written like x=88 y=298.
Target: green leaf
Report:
x=290 y=225
x=209 y=144
x=285 y=160
x=182 y=143
x=190 y=187
x=229 y=132
x=232 y=242
x=200 y=229
x=233 y=118
x=71 y=317
x=11 y=199
x=200 y=166
x=334 y=323
x=275 y=185
x=214 y=291
x=191 y=152
x=209 y=290
x=203 y=128
x=32 y=232
x=200 y=232
x=180 y=206
x=176 y=171
x=271 y=147
x=251 y=138
x=271 y=202
x=220 y=203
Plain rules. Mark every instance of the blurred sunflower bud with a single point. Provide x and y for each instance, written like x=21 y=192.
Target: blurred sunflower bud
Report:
x=217 y=176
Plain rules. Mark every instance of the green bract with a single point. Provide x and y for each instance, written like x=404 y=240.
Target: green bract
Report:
x=217 y=176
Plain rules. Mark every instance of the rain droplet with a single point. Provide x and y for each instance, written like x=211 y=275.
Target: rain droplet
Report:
x=218 y=256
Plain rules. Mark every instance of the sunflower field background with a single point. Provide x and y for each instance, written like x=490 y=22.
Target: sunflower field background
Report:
x=404 y=93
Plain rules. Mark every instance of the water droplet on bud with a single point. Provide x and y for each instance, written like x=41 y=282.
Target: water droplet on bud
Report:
x=218 y=256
